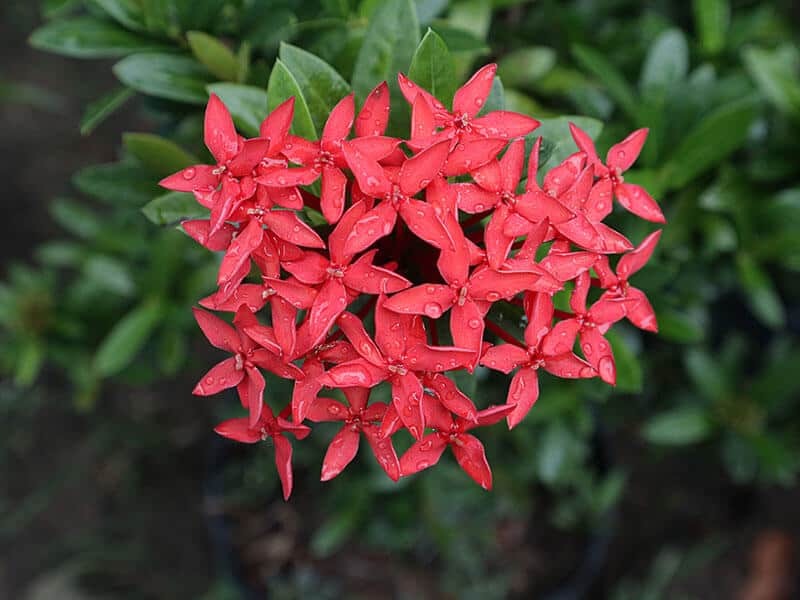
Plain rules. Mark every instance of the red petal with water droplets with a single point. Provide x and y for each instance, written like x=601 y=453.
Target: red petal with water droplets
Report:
x=339 y=122
x=523 y=394
x=263 y=336
x=470 y=155
x=197 y=177
x=419 y=170
x=489 y=177
x=466 y=327
x=539 y=310
x=612 y=241
x=338 y=237
x=366 y=278
x=598 y=352
x=368 y=173
x=640 y=312
x=298 y=295
x=276 y=126
x=407 y=395
x=269 y=361
x=491 y=285
x=391 y=329
x=505 y=124
x=375 y=224
x=238 y=430
x=198 y=230
x=284 y=177
x=511 y=164
x=383 y=450
x=341 y=451
x=410 y=90
x=531 y=183
x=218 y=332
x=568 y=366
x=248 y=157
x=492 y=415
x=249 y=294
x=498 y=244
x=255 y=394
x=606 y=311
x=561 y=338
x=239 y=251
x=584 y=142
x=306 y=389
x=581 y=232
x=622 y=155
x=471 y=96
x=423 y=222
x=430 y=299
x=452 y=399
x=219 y=133
x=423 y=121
x=330 y=302
x=334 y=185
x=473 y=199
x=537 y=206
x=220 y=377
x=599 y=202
x=504 y=357
x=470 y=454
x=566 y=267
x=422 y=454
x=577 y=300
x=226 y=201
x=636 y=200
x=376 y=147
x=422 y=357
x=284 y=322
x=354 y=373
x=353 y=329
x=374 y=115
x=636 y=259
x=288 y=226
x=283 y=462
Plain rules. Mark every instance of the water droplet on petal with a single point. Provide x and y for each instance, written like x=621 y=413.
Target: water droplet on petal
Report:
x=478 y=101
x=433 y=310
x=474 y=323
x=189 y=173
x=423 y=464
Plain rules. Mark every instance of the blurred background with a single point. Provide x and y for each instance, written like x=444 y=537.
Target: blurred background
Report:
x=682 y=482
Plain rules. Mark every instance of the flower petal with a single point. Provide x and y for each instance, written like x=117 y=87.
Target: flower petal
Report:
x=418 y=171
x=539 y=310
x=561 y=338
x=239 y=430
x=505 y=124
x=471 y=154
x=636 y=200
x=353 y=329
x=451 y=398
x=306 y=389
x=283 y=462
x=220 y=377
x=288 y=226
x=407 y=395
x=422 y=357
x=470 y=454
x=219 y=133
x=255 y=394
x=330 y=302
x=239 y=251
x=334 y=185
x=366 y=278
x=622 y=155
x=276 y=126
x=383 y=450
x=341 y=451
x=423 y=222
x=368 y=173
x=471 y=96
x=340 y=121
x=196 y=177
x=598 y=352
x=522 y=393
x=374 y=115
x=466 y=327
x=636 y=259
x=248 y=157
x=375 y=224
x=422 y=454
x=198 y=231
x=218 y=332
x=430 y=299
x=568 y=366
x=504 y=357
x=354 y=373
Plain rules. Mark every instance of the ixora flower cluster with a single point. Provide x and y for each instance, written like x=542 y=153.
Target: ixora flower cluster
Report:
x=396 y=244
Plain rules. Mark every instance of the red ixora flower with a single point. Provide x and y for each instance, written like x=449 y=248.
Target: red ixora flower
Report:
x=415 y=228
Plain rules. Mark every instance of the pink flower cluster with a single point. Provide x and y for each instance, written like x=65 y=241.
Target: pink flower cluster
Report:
x=446 y=223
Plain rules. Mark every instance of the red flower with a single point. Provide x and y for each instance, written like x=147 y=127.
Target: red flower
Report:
x=395 y=220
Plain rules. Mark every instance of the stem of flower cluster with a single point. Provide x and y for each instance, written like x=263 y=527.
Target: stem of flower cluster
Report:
x=502 y=333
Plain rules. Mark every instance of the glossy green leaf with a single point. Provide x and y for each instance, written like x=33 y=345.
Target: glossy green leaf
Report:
x=247 y=104
x=777 y=75
x=559 y=139
x=320 y=83
x=88 y=37
x=99 y=110
x=608 y=75
x=707 y=373
x=52 y=9
x=389 y=44
x=432 y=67
x=29 y=362
x=159 y=155
x=128 y=336
x=174 y=207
x=474 y=16
x=679 y=327
x=216 y=56
x=677 y=427
x=712 y=19
x=666 y=63
x=76 y=218
x=458 y=39
x=127 y=13
x=522 y=68
x=282 y=86
x=110 y=274
x=761 y=293
x=496 y=99
x=121 y=183
x=178 y=78
x=719 y=134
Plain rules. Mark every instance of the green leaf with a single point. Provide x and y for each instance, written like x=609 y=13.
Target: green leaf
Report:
x=215 y=55
x=629 y=371
x=679 y=327
x=712 y=18
x=247 y=104
x=666 y=64
x=99 y=110
x=88 y=37
x=459 y=40
x=524 y=67
x=127 y=13
x=159 y=155
x=174 y=207
x=282 y=86
x=775 y=72
x=389 y=44
x=321 y=84
x=29 y=362
x=474 y=16
x=120 y=183
x=719 y=134
x=611 y=78
x=427 y=10
x=111 y=274
x=75 y=218
x=707 y=373
x=761 y=293
x=677 y=427
x=178 y=78
x=496 y=99
x=432 y=68
x=56 y=8
x=126 y=338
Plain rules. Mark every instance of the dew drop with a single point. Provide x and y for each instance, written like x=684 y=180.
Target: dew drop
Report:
x=587 y=348
x=433 y=310
x=493 y=296
x=478 y=101
x=188 y=173
x=423 y=464
x=474 y=323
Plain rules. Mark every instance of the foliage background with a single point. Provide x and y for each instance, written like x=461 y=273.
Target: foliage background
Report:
x=109 y=464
